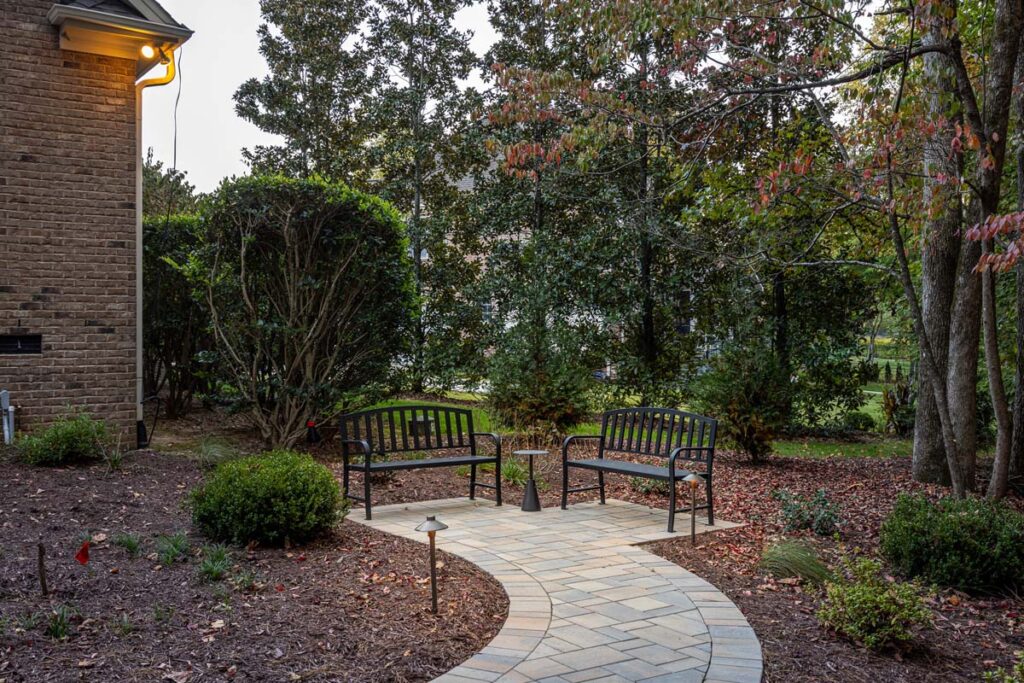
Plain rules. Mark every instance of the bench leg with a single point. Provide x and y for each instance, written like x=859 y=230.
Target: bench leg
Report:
x=472 y=482
x=344 y=480
x=497 y=480
x=672 y=506
x=565 y=484
x=366 y=493
x=600 y=483
x=711 y=508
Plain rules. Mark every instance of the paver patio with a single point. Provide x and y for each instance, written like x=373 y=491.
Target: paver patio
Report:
x=585 y=603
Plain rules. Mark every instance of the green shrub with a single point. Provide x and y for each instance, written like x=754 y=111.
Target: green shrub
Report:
x=749 y=393
x=538 y=382
x=71 y=439
x=867 y=608
x=817 y=514
x=59 y=626
x=271 y=498
x=857 y=421
x=972 y=544
x=794 y=559
x=1001 y=675
x=302 y=277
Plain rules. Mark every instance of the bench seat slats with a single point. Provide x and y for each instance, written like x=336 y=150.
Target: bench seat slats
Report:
x=632 y=468
x=453 y=461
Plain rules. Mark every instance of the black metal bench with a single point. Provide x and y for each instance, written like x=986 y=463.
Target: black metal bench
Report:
x=654 y=433
x=382 y=433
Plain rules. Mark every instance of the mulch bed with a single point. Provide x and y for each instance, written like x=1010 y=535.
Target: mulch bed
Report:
x=970 y=635
x=354 y=606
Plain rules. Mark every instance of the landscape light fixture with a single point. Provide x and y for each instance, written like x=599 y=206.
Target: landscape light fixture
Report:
x=148 y=52
x=432 y=526
x=694 y=480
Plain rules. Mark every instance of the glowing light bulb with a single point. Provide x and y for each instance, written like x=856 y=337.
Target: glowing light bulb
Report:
x=148 y=52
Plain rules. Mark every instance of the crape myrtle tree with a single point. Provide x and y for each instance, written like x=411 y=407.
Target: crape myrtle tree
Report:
x=310 y=297
x=312 y=95
x=723 y=49
x=417 y=116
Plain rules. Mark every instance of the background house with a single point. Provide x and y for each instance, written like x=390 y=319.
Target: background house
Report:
x=70 y=109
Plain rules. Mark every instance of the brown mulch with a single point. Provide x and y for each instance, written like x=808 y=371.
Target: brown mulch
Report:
x=353 y=607
x=970 y=635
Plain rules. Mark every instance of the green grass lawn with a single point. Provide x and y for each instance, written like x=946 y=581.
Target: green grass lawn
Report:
x=809 y=448
x=820 y=448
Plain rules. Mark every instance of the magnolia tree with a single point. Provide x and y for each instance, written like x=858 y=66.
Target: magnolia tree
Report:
x=310 y=296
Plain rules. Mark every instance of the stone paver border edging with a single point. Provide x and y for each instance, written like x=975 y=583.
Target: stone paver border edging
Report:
x=585 y=603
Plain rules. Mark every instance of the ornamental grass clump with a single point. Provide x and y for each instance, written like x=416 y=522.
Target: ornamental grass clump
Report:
x=974 y=545
x=863 y=605
x=71 y=439
x=794 y=559
x=275 y=498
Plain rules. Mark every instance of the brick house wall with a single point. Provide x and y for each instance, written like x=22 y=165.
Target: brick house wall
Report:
x=67 y=222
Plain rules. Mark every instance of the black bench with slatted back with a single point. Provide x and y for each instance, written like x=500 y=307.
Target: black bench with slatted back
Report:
x=653 y=433
x=383 y=435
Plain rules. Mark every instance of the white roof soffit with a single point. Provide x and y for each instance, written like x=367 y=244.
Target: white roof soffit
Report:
x=116 y=35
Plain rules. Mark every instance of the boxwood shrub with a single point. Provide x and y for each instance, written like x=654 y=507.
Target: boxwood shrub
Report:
x=273 y=498
x=72 y=439
x=972 y=544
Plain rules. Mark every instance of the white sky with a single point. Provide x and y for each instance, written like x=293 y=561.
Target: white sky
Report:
x=222 y=54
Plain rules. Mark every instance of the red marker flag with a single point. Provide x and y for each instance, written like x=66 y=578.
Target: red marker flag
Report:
x=83 y=554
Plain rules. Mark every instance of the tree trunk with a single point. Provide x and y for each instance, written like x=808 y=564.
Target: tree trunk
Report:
x=940 y=250
x=1017 y=448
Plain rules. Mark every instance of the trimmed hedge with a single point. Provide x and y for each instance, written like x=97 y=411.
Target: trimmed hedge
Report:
x=275 y=498
x=972 y=544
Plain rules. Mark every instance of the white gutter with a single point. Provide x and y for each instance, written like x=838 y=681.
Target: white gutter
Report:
x=139 y=87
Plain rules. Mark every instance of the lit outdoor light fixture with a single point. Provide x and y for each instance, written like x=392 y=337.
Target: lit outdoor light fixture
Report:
x=432 y=526
x=148 y=52
x=694 y=480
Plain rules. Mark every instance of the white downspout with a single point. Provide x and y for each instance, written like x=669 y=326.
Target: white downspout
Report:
x=140 y=429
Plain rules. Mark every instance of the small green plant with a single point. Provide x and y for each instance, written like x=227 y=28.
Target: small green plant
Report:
x=464 y=470
x=247 y=581
x=29 y=621
x=646 y=486
x=216 y=563
x=514 y=472
x=171 y=547
x=59 y=626
x=795 y=559
x=73 y=438
x=124 y=625
x=972 y=544
x=863 y=605
x=1001 y=675
x=113 y=454
x=162 y=613
x=130 y=543
x=816 y=513
x=271 y=498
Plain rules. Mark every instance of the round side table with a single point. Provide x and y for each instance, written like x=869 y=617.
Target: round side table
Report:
x=531 y=502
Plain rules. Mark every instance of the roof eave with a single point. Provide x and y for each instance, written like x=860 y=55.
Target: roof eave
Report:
x=115 y=35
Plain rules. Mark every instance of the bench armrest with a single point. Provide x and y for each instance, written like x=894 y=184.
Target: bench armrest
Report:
x=576 y=437
x=363 y=445
x=676 y=452
x=493 y=437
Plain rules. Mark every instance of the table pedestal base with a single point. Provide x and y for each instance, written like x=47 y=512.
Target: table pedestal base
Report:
x=531 y=502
